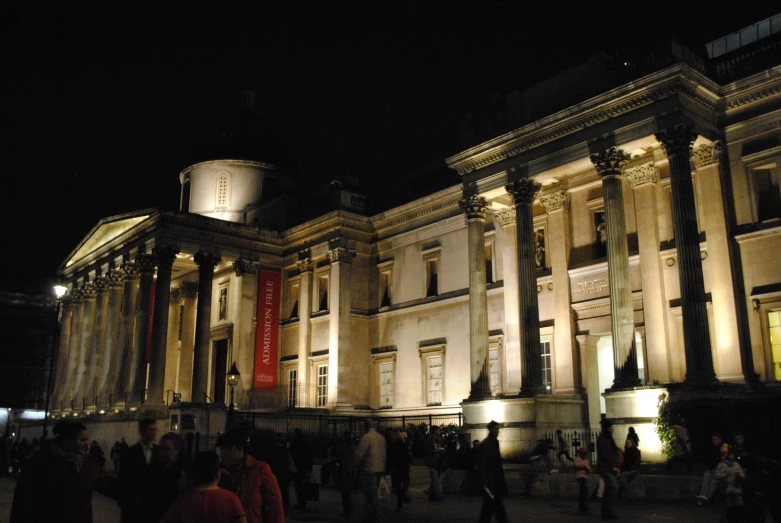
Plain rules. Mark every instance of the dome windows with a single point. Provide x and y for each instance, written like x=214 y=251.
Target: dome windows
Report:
x=223 y=190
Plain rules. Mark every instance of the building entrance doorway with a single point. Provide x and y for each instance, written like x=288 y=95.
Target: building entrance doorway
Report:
x=220 y=369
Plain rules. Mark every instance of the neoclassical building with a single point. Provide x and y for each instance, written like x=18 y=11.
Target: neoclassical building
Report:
x=590 y=257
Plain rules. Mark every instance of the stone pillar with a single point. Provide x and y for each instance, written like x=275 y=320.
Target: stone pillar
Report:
x=725 y=321
x=137 y=381
x=172 y=351
x=200 y=376
x=512 y=341
x=126 y=333
x=657 y=345
x=85 y=345
x=164 y=256
x=677 y=142
x=244 y=332
x=475 y=208
x=339 y=354
x=590 y=363
x=189 y=294
x=111 y=359
x=62 y=354
x=610 y=167
x=566 y=371
x=523 y=192
x=305 y=268
x=98 y=345
x=72 y=362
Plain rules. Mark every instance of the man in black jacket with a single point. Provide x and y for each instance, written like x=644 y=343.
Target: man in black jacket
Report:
x=137 y=475
x=608 y=466
x=712 y=458
x=492 y=475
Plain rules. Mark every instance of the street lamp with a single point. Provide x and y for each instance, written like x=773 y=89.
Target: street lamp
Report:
x=59 y=291
x=233 y=380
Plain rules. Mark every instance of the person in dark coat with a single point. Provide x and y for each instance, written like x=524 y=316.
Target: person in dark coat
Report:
x=492 y=475
x=115 y=455
x=630 y=466
x=400 y=461
x=345 y=472
x=57 y=484
x=137 y=476
x=170 y=479
x=608 y=466
x=301 y=452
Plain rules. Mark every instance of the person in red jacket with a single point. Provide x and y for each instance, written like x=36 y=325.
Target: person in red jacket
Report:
x=57 y=484
x=251 y=480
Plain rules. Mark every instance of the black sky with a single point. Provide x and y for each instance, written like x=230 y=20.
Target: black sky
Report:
x=102 y=103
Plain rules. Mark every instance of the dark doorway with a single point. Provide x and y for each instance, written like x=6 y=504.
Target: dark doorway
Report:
x=220 y=366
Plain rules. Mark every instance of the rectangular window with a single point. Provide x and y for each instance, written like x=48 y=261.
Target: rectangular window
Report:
x=434 y=368
x=493 y=369
x=292 y=387
x=768 y=194
x=294 y=301
x=774 y=324
x=322 y=293
x=547 y=373
x=432 y=277
x=489 y=263
x=322 y=385
x=385 y=298
x=386 y=385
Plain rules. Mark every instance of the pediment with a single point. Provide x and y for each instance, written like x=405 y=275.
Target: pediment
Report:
x=107 y=230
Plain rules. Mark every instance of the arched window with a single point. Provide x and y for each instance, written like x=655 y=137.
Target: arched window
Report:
x=223 y=190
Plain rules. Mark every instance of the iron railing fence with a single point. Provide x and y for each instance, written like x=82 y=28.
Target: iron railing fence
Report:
x=574 y=440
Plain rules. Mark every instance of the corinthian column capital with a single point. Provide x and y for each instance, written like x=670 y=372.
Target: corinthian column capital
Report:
x=146 y=264
x=705 y=155
x=130 y=270
x=646 y=174
x=677 y=139
x=242 y=267
x=176 y=296
x=305 y=265
x=189 y=289
x=340 y=254
x=474 y=206
x=77 y=295
x=610 y=162
x=116 y=278
x=101 y=285
x=165 y=254
x=203 y=259
x=556 y=201
x=523 y=191
x=89 y=291
x=505 y=216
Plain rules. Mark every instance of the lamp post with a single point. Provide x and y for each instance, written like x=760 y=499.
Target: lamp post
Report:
x=233 y=380
x=59 y=291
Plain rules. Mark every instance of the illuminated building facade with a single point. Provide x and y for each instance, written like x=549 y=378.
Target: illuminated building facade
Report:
x=594 y=254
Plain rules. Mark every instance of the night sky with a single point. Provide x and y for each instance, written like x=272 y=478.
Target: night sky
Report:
x=102 y=104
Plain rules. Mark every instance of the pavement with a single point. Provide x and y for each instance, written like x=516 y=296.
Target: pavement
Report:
x=454 y=509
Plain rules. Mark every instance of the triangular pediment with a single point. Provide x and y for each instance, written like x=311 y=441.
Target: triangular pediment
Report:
x=107 y=230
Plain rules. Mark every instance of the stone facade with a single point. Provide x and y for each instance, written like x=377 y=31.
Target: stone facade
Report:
x=626 y=217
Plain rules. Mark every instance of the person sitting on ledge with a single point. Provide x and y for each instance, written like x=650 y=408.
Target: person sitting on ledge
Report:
x=540 y=454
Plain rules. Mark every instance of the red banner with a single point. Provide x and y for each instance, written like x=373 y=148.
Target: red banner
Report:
x=267 y=334
x=152 y=292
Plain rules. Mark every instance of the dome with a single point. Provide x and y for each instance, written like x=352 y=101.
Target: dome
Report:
x=241 y=134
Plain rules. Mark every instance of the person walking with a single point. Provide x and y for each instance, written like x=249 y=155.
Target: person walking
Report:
x=563 y=447
x=492 y=476
x=370 y=456
x=344 y=472
x=400 y=461
x=608 y=466
x=582 y=470
x=57 y=484
x=115 y=455
x=434 y=451
x=206 y=502
x=301 y=453
x=137 y=475
x=251 y=480
x=712 y=459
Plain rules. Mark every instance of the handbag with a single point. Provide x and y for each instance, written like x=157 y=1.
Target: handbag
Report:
x=311 y=488
x=383 y=490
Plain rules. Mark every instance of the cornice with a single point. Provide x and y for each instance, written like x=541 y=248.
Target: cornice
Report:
x=312 y=230
x=445 y=200
x=752 y=89
x=676 y=79
x=237 y=230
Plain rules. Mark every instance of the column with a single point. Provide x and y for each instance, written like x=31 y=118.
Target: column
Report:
x=189 y=294
x=590 y=364
x=657 y=346
x=66 y=304
x=305 y=269
x=66 y=387
x=206 y=263
x=725 y=321
x=677 y=142
x=339 y=376
x=126 y=334
x=85 y=345
x=172 y=351
x=164 y=256
x=111 y=359
x=243 y=343
x=512 y=340
x=610 y=167
x=137 y=376
x=523 y=192
x=566 y=379
x=475 y=208
x=97 y=347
